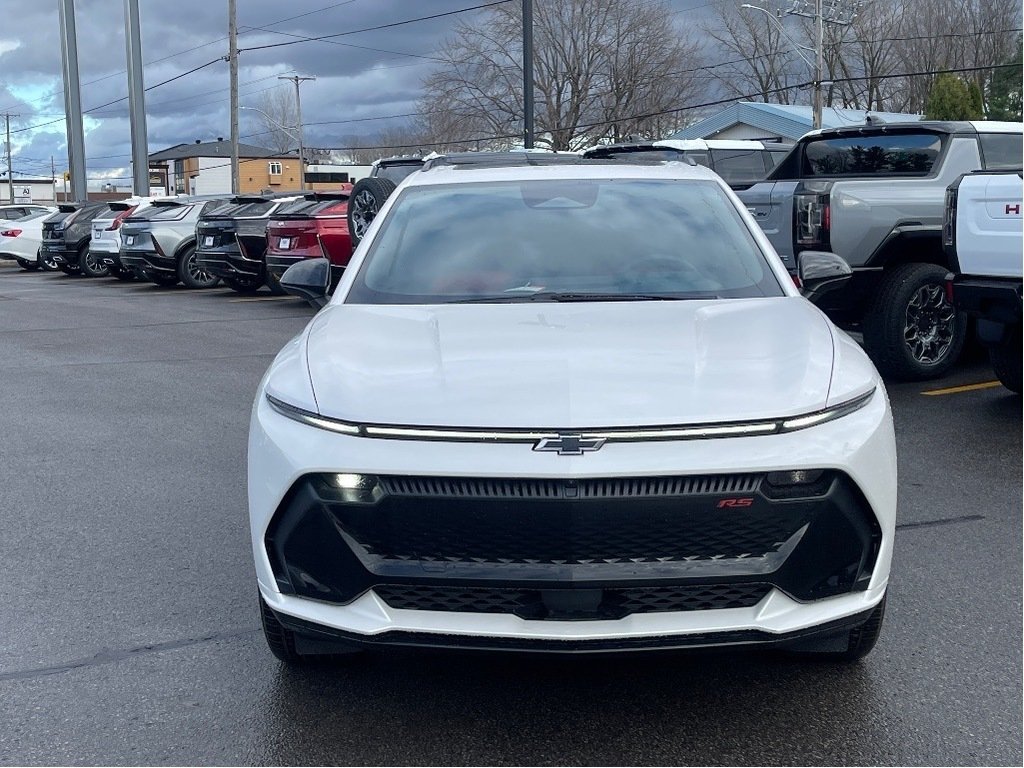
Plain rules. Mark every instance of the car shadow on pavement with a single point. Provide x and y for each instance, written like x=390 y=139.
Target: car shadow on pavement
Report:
x=436 y=707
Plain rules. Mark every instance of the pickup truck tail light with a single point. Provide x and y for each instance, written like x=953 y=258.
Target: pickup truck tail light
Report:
x=949 y=219
x=10 y=233
x=812 y=222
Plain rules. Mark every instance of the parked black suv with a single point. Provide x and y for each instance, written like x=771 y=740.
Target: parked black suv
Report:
x=231 y=240
x=66 y=236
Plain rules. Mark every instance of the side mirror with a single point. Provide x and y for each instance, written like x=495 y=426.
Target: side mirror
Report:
x=821 y=272
x=308 y=279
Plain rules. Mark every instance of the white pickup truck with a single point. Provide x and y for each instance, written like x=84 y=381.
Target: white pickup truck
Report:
x=984 y=241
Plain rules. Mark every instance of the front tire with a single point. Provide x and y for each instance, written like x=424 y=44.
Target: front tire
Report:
x=280 y=639
x=911 y=331
x=1006 y=361
x=191 y=274
x=367 y=198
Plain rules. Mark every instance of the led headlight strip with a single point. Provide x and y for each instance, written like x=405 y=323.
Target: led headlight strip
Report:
x=611 y=435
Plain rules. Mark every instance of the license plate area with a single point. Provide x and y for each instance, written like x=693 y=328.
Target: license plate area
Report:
x=285 y=243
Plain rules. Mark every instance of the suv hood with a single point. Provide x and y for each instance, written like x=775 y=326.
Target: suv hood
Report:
x=570 y=365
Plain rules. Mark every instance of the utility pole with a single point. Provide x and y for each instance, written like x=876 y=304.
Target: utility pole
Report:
x=72 y=99
x=10 y=168
x=233 y=66
x=53 y=180
x=821 y=12
x=298 y=114
x=136 y=98
x=528 y=74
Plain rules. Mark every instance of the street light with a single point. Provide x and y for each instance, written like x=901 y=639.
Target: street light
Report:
x=815 y=67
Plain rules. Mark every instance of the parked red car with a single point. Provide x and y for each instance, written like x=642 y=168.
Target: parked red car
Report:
x=315 y=226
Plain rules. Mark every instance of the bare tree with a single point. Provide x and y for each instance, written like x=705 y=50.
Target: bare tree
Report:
x=598 y=65
x=279 y=118
x=761 y=62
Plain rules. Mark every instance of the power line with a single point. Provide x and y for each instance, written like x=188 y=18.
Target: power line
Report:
x=378 y=27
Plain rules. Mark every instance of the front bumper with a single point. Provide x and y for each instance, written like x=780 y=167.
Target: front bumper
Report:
x=859 y=446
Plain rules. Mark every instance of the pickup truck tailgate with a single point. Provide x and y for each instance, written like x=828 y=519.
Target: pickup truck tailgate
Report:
x=771 y=205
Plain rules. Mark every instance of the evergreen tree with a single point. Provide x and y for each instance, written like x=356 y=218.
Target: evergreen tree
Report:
x=949 y=99
x=976 y=100
x=1004 y=91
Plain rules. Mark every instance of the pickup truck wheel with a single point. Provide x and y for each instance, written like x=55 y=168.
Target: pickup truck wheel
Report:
x=1006 y=361
x=31 y=266
x=367 y=198
x=911 y=331
x=191 y=274
x=91 y=264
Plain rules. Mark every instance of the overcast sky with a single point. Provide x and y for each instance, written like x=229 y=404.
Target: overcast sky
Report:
x=364 y=75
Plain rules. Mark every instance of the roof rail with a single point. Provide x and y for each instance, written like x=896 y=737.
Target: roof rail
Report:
x=500 y=159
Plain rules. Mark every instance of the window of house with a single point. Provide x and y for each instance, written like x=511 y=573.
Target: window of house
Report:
x=275 y=169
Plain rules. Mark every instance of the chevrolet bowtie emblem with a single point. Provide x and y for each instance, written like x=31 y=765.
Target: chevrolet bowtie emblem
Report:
x=569 y=445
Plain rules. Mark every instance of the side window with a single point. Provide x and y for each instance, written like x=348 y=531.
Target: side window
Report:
x=739 y=164
x=274 y=169
x=1002 y=151
x=700 y=157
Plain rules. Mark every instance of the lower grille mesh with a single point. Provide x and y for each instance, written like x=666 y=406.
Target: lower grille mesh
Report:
x=572 y=604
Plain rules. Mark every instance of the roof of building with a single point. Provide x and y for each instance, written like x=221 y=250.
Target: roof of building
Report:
x=219 y=148
x=788 y=120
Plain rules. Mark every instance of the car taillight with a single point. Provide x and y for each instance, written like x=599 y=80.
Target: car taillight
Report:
x=116 y=224
x=812 y=222
x=10 y=233
x=949 y=218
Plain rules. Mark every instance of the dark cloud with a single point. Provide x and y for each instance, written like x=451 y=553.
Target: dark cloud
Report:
x=364 y=75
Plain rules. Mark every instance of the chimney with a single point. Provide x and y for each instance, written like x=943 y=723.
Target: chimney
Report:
x=199 y=141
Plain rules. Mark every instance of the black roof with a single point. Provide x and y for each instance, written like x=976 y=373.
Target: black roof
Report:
x=212 y=149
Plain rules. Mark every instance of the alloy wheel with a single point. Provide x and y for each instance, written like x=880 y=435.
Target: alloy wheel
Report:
x=931 y=324
x=364 y=209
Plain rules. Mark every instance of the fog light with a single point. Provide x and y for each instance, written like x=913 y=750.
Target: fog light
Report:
x=795 y=477
x=350 y=488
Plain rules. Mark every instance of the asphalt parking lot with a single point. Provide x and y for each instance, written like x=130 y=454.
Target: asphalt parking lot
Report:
x=128 y=620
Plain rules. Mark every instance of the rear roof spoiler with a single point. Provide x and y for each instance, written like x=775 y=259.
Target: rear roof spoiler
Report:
x=122 y=206
x=68 y=207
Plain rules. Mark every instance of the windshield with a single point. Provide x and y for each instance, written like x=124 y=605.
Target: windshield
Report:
x=562 y=240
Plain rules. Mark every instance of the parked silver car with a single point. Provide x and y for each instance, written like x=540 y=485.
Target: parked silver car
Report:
x=159 y=243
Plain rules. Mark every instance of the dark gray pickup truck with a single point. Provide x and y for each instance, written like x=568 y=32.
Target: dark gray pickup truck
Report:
x=874 y=195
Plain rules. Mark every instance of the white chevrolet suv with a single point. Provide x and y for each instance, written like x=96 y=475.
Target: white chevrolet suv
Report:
x=571 y=406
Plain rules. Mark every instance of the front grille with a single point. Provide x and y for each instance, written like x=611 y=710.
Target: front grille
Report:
x=546 y=543
x=572 y=603
x=597 y=488
x=568 y=522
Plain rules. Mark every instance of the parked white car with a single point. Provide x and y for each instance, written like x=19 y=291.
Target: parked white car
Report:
x=20 y=239
x=106 y=235
x=570 y=407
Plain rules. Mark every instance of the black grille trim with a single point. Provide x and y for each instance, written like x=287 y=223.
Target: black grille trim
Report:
x=561 y=605
x=596 y=488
